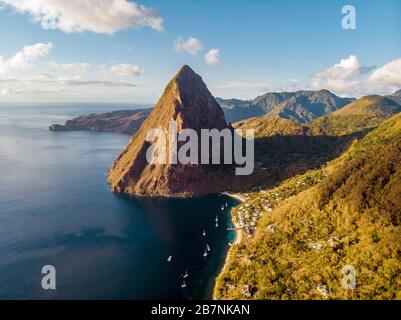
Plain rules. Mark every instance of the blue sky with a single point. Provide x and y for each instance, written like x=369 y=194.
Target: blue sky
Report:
x=259 y=46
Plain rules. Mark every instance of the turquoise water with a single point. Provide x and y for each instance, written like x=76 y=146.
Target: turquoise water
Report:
x=56 y=209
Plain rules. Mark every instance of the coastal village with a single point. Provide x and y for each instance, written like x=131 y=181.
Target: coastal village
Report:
x=255 y=204
x=246 y=218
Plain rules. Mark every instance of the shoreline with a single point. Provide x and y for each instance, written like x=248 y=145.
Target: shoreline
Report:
x=237 y=239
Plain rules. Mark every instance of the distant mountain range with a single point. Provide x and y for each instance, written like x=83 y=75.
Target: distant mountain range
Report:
x=362 y=114
x=300 y=106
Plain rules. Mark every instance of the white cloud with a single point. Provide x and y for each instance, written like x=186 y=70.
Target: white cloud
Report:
x=5 y=92
x=388 y=75
x=3 y=66
x=47 y=79
x=99 y=16
x=80 y=68
x=76 y=67
x=24 y=75
x=212 y=57
x=190 y=45
x=343 y=78
x=125 y=70
x=23 y=60
x=249 y=90
x=28 y=54
x=35 y=91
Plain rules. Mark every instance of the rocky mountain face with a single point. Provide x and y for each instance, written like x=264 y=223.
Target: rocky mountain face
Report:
x=300 y=106
x=187 y=101
x=124 y=121
x=237 y=110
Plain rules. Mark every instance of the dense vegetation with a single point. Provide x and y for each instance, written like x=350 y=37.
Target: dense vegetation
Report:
x=267 y=126
x=348 y=213
x=365 y=113
x=361 y=115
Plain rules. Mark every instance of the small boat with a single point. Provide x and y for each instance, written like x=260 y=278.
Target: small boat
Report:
x=226 y=204
x=184 y=285
x=169 y=258
x=217 y=219
x=217 y=224
x=204 y=233
x=207 y=247
x=186 y=275
x=222 y=207
x=205 y=254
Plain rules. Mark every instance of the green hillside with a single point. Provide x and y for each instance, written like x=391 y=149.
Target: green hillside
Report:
x=267 y=126
x=365 y=113
x=310 y=227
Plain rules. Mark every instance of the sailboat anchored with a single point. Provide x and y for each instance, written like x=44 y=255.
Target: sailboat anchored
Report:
x=185 y=275
x=204 y=233
x=169 y=258
x=184 y=285
x=205 y=254
x=207 y=247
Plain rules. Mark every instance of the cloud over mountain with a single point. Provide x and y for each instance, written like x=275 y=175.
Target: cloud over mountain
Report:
x=388 y=75
x=191 y=45
x=212 y=57
x=340 y=77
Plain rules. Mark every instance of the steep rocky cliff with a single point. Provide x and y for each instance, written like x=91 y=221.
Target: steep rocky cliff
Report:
x=187 y=101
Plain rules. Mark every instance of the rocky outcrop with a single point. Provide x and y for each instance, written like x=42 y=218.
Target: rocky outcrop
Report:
x=187 y=101
x=124 y=121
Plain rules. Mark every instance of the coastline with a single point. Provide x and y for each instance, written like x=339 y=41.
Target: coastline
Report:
x=238 y=231
x=237 y=240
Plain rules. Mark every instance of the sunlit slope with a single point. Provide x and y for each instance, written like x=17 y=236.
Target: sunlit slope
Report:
x=351 y=217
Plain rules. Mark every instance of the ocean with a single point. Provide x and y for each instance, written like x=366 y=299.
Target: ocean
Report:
x=56 y=209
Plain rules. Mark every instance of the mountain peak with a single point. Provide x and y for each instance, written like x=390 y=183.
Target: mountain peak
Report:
x=187 y=101
x=185 y=69
x=188 y=78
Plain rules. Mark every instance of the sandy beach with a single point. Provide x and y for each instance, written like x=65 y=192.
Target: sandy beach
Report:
x=238 y=234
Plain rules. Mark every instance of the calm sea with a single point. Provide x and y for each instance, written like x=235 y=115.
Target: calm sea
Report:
x=56 y=209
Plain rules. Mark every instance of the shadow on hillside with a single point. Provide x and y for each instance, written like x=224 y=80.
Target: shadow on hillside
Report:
x=278 y=158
